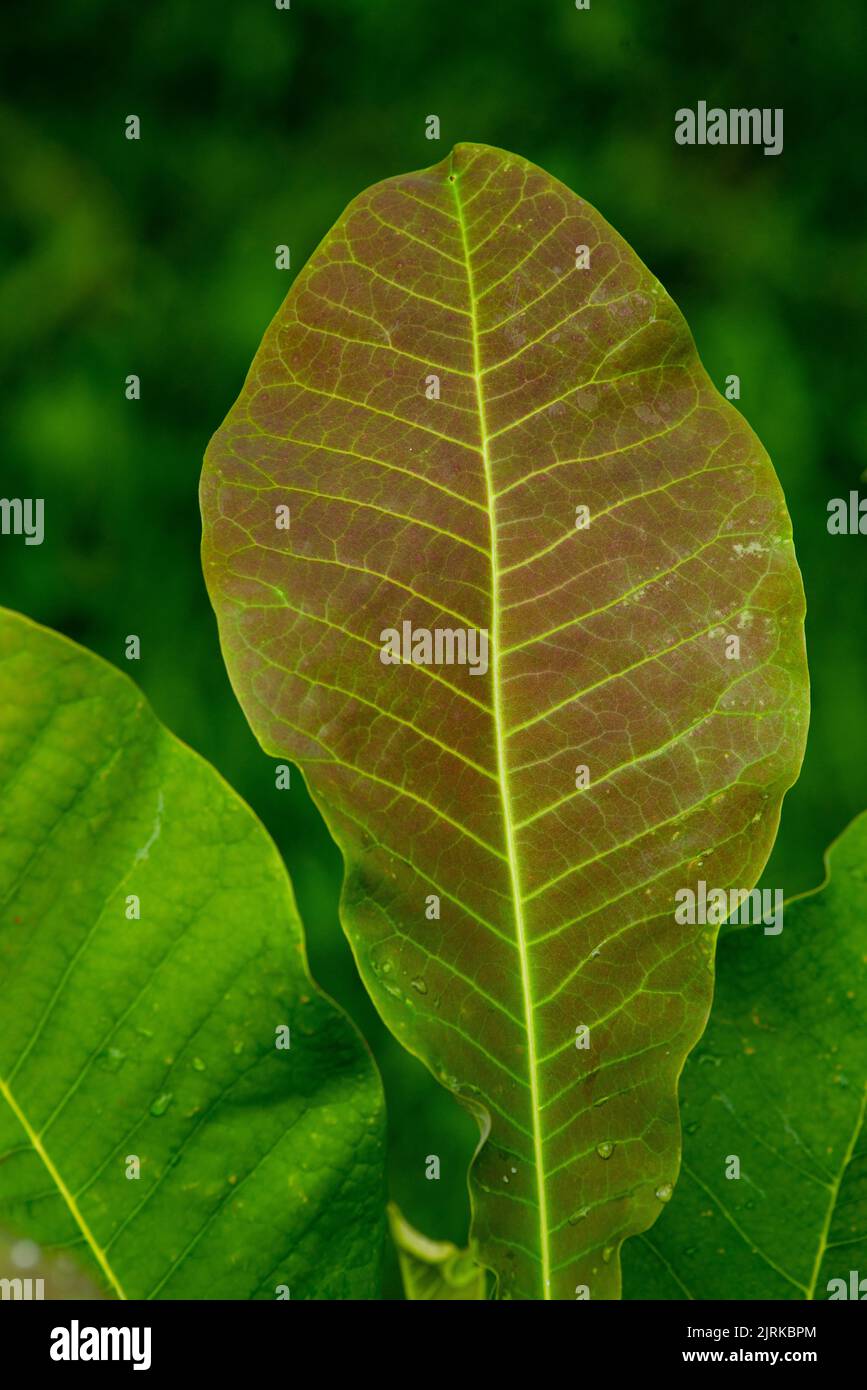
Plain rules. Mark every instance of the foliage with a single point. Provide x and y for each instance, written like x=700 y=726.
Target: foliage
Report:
x=151 y=961
x=471 y=359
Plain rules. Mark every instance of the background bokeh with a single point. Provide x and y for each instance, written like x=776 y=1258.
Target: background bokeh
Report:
x=156 y=257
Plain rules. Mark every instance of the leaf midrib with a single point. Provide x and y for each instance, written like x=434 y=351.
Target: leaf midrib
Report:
x=502 y=764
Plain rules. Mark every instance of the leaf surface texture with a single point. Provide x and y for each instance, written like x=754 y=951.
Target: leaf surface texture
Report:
x=559 y=387
x=155 y=1038
x=779 y=1081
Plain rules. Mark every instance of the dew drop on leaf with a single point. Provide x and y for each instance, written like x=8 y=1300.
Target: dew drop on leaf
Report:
x=112 y=1059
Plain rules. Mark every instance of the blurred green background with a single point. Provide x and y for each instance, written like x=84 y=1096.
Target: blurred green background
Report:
x=258 y=125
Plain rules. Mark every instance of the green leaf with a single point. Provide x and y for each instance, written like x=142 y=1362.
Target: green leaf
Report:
x=434 y=1269
x=156 y=1037
x=560 y=387
x=780 y=1083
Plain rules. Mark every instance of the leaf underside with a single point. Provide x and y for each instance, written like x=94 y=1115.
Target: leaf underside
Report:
x=154 y=1037
x=560 y=387
x=780 y=1083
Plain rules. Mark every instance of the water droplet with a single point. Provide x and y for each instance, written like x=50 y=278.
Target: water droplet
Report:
x=664 y=1192
x=605 y=1150
x=692 y=1127
x=161 y=1104
x=607 y=1253
x=419 y=985
x=579 y=1216
x=198 y=1064
x=112 y=1059
x=238 y=1048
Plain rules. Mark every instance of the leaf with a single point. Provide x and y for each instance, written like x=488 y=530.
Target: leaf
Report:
x=434 y=1269
x=156 y=1037
x=779 y=1082
x=560 y=388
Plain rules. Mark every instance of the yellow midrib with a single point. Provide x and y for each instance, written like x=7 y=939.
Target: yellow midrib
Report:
x=36 y=1142
x=503 y=771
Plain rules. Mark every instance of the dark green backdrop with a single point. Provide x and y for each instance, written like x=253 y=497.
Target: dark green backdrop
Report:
x=156 y=257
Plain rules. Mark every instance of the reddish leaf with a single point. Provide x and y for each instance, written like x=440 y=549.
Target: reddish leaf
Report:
x=560 y=387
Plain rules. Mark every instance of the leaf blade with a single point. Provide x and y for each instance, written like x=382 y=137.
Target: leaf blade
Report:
x=154 y=1037
x=780 y=1082
x=467 y=502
